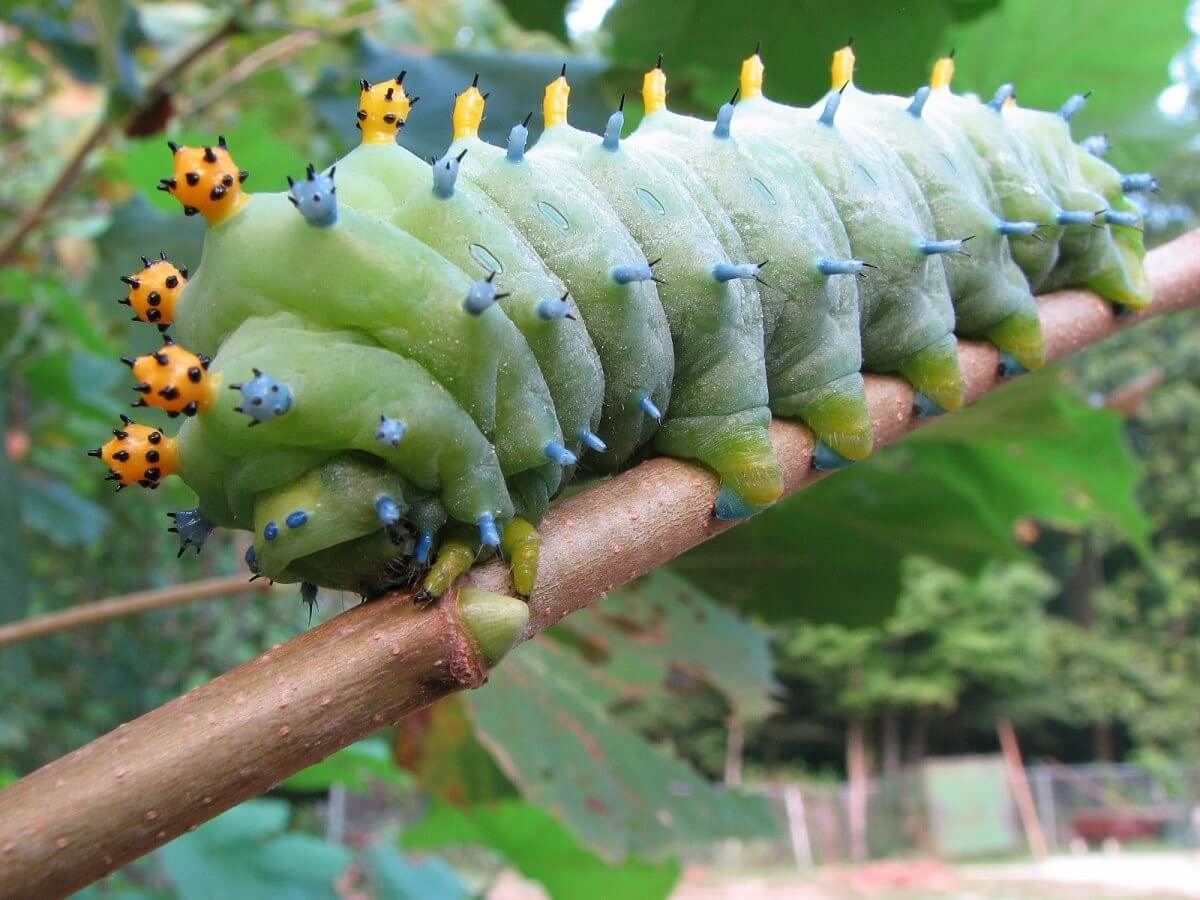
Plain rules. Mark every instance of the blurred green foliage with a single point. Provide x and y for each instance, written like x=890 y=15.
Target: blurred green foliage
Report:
x=1017 y=559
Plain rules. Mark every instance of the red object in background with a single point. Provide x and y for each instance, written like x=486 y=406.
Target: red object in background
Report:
x=1098 y=825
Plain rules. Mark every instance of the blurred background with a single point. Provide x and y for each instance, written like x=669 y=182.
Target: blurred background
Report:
x=839 y=694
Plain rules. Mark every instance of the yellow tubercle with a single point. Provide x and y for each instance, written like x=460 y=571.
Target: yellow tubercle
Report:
x=468 y=113
x=139 y=454
x=842 y=70
x=207 y=181
x=554 y=105
x=943 y=73
x=453 y=559
x=654 y=90
x=383 y=109
x=522 y=544
x=175 y=380
x=752 y=77
x=154 y=291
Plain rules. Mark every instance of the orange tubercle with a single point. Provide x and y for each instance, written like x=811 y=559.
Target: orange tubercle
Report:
x=383 y=109
x=173 y=379
x=154 y=291
x=468 y=113
x=139 y=454
x=207 y=181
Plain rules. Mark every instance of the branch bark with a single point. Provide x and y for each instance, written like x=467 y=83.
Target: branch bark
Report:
x=124 y=794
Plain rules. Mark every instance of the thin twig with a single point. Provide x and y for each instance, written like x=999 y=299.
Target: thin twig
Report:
x=126 y=605
x=117 y=798
x=12 y=244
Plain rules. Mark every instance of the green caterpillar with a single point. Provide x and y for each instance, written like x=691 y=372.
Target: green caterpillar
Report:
x=431 y=353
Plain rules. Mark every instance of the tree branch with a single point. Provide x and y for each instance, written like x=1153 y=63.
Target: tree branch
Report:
x=127 y=605
x=124 y=794
x=14 y=240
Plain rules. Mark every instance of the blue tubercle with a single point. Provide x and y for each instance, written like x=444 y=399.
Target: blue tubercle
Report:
x=918 y=101
x=829 y=266
x=826 y=459
x=488 y=535
x=390 y=431
x=445 y=175
x=1123 y=219
x=517 y=139
x=424 y=545
x=1139 y=181
x=1076 y=217
x=956 y=245
x=252 y=561
x=1074 y=104
x=297 y=519
x=1016 y=229
x=1097 y=145
x=482 y=295
x=388 y=510
x=1011 y=367
x=315 y=197
x=612 y=131
x=730 y=271
x=263 y=398
x=649 y=408
x=1001 y=97
x=634 y=273
x=926 y=407
x=831 y=107
x=192 y=526
x=592 y=441
x=555 y=308
x=560 y=454
x=729 y=506
x=270 y=531
x=724 y=118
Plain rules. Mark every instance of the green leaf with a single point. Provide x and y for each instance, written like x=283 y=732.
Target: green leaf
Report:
x=540 y=719
x=395 y=877
x=79 y=381
x=13 y=575
x=1116 y=49
x=538 y=847
x=61 y=515
x=138 y=227
x=662 y=620
x=540 y=15
x=64 y=306
x=953 y=493
x=246 y=853
x=116 y=33
x=355 y=768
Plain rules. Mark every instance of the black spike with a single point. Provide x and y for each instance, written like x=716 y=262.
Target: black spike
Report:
x=209 y=156
x=460 y=156
x=191 y=409
x=112 y=476
x=124 y=301
x=528 y=116
x=128 y=360
x=563 y=73
x=142 y=387
x=621 y=105
x=400 y=77
x=190 y=210
x=658 y=65
x=146 y=262
x=174 y=146
x=126 y=420
x=96 y=453
x=170 y=392
x=389 y=93
x=132 y=282
x=138 y=403
x=736 y=93
x=475 y=80
x=162 y=254
x=366 y=85
x=221 y=141
x=242 y=176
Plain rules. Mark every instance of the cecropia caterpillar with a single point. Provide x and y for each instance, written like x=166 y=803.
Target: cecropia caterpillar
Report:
x=427 y=354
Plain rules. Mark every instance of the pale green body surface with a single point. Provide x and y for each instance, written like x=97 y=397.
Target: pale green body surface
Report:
x=365 y=318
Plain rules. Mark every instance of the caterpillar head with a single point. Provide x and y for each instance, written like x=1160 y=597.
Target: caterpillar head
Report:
x=154 y=291
x=173 y=379
x=383 y=109
x=206 y=181
x=468 y=111
x=138 y=454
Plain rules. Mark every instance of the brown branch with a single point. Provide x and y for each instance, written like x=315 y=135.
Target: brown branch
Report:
x=127 y=605
x=12 y=243
x=124 y=794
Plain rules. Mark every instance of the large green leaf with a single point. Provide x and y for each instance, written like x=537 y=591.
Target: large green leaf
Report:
x=706 y=42
x=953 y=493
x=394 y=877
x=662 y=621
x=543 y=719
x=538 y=847
x=1116 y=49
x=355 y=768
x=540 y=15
x=247 y=852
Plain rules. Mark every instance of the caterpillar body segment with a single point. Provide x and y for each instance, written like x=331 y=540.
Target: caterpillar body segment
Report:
x=392 y=368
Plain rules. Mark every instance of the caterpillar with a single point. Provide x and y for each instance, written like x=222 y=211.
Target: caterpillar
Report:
x=427 y=353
